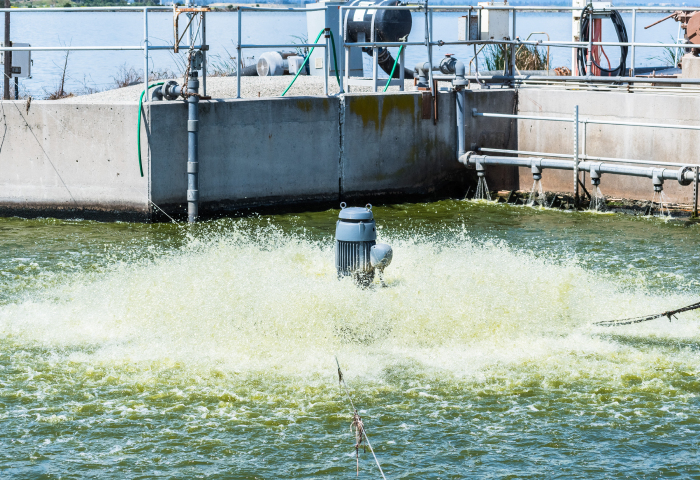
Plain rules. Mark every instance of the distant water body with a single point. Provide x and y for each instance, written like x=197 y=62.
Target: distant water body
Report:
x=97 y=69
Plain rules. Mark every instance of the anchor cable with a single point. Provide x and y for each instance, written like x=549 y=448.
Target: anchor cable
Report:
x=357 y=424
x=670 y=314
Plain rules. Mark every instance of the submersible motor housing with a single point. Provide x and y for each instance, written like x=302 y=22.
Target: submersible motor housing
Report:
x=357 y=252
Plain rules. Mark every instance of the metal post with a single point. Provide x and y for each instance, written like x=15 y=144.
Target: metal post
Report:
x=341 y=48
x=7 y=56
x=634 y=36
x=428 y=40
x=589 y=57
x=193 y=147
x=347 y=50
x=583 y=137
x=145 y=54
x=695 y=193
x=240 y=63
x=576 y=156
x=513 y=49
x=402 y=59
x=375 y=55
x=16 y=88
x=326 y=57
x=204 y=54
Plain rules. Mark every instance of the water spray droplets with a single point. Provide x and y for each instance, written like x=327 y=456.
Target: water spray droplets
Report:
x=598 y=201
x=482 y=190
x=662 y=211
x=537 y=196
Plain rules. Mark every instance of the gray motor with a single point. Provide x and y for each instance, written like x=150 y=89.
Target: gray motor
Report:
x=357 y=253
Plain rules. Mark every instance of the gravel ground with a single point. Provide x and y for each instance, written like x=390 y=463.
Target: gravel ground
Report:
x=225 y=87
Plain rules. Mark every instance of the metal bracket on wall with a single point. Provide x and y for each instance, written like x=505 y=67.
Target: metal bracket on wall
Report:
x=176 y=14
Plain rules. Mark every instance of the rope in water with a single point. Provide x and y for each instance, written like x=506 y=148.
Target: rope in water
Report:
x=629 y=321
x=357 y=425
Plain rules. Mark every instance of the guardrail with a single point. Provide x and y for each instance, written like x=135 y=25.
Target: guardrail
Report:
x=577 y=156
x=429 y=41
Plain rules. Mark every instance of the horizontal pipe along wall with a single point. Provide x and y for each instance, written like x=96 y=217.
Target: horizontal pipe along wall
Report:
x=642 y=143
x=71 y=160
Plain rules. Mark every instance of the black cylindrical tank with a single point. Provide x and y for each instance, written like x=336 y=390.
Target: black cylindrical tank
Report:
x=391 y=25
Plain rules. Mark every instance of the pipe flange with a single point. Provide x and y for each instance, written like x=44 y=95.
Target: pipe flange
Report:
x=682 y=176
x=464 y=158
x=171 y=90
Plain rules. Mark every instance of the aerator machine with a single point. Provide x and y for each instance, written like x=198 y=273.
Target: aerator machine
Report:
x=357 y=253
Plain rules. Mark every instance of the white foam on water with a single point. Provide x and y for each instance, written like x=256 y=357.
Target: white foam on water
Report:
x=254 y=301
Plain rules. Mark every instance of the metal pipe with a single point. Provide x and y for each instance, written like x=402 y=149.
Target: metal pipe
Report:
x=575 y=132
x=7 y=58
x=193 y=148
x=375 y=55
x=240 y=60
x=402 y=71
x=204 y=54
x=428 y=39
x=461 y=99
x=683 y=175
x=284 y=45
x=341 y=49
x=587 y=120
x=586 y=157
x=589 y=56
x=326 y=63
x=512 y=49
x=634 y=36
x=695 y=192
x=145 y=55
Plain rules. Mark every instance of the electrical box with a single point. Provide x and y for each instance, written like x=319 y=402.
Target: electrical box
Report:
x=468 y=26
x=21 y=61
x=315 y=22
x=495 y=24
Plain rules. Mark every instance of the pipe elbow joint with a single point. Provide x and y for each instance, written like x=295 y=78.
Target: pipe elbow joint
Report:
x=465 y=159
x=460 y=71
x=536 y=167
x=595 y=173
x=657 y=177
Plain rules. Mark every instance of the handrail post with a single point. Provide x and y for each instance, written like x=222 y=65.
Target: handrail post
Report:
x=326 y=57
x=145 y=54
x=402 y=60
x=428 y=41
x=240 y=60
x=204 y=54
x=576 y=156
x=341 y=49
x=634 y=36
x=513 y=48
x=589 y=57
x=375 y=54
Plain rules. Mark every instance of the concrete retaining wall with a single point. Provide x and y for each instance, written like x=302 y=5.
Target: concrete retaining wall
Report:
x=79 y=159
x=71 y=160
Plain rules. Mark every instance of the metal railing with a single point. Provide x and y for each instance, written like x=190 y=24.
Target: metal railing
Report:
x=429 y=41
x=577 y=156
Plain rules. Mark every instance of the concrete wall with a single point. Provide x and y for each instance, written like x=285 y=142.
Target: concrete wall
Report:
x=251 y=152
x=661 y=145
x=315 y=149
x=73 y=160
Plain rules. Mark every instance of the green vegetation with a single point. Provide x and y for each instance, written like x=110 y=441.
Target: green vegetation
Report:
x=528 y=57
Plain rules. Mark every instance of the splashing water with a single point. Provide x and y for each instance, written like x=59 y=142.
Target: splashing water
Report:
x=537 y=195
x=214 y=356
x=662 y=210
x=482 y=190
x=598 y=201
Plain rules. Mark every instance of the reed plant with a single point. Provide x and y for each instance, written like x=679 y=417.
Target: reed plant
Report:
x=528 y=57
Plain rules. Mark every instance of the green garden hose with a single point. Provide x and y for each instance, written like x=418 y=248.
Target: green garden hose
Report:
x=335 y=62
x=138 y=132
x=391 y=75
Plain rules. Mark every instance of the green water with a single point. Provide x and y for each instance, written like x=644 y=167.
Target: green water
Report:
x=156 y=351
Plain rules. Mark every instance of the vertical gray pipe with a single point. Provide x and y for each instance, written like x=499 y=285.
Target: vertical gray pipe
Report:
x=461 y=98
x=576 y=156
x=193 y=148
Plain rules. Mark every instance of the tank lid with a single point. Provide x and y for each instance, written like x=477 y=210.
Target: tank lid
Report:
x=355 y=213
